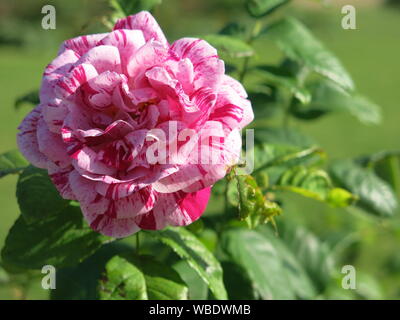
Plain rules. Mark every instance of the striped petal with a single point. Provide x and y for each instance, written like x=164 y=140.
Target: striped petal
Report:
x=54 y=115
x=190 y=208
x=176 y=209
x=153 y=53
x=103 y=58
x=60 y=178
x=68 y=85
x=208 y=68
x=186 y=176
x=86 y=160
x=98 y=91
x=81 y=45
x=58 y=68
x=52 y=145
x=127 y=42
x=27 y=139
x=145 y=22
x=101 y=213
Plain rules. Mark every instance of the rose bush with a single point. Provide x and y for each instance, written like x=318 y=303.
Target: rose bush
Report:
x=107 y=99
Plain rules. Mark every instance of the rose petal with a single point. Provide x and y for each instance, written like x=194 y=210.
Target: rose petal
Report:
x=52 y=145
x=60 y=178
x=176 y=209
x=81 y=45
x=103 y=58
x=208 y=68
x=145 y=22
x=27 y=139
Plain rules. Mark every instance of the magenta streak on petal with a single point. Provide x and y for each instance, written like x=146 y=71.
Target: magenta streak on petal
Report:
x=102 y=95
x=190 y=47
x=147 y=221
x=63 y=85
x=97 y=198
x=229 y=110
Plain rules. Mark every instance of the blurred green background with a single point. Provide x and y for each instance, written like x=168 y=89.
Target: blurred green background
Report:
x=370 y=53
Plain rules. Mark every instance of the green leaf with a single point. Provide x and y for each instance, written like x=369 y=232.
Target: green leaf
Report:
x=129 y=277
x=282 y=78
x=29 y=98
x=188 y=247
x=283 y=136
x=367 y=288
x=254 y=208
x=37 y=196
x=375 y=158
x=386 y=165
x=12 y=162
x=376 y=195
x=329 y=97
x=315 y=256
x=198 y=289
x=266 y=101
x=124 y=8
x=284 y=155
x=300 y=45
x=285 y=166
x=272 y=160
x=62 y=239
x=122 y=281
x=80 y=282
x=259 y=8
x=228 y=46
x=316 y=184
x=4 y=278
x=237 y=282
x=273 y=270
x=234 y=29
x=162 y=282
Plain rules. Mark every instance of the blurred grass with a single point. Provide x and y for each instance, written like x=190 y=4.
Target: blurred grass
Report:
x=371 y=55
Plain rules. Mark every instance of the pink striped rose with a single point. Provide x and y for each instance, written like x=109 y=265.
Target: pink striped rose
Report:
x=105 y=99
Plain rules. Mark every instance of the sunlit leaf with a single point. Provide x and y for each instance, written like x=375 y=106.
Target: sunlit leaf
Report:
x=229 y=46
x=386 y=164
x=375 y=195
x=12 y=162
x=124 y=8
x=281 y=77
x=315 y=256
x=316 y=184
x=122 y=281
x=259 y=8
x=61 y=239
x=37 y=197
x=283 y=136
x=129 y=277
x=273 y=270
x=189 y=248
x=299 y=44
x=329 y=97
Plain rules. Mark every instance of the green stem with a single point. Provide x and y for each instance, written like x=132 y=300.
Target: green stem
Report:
x=226 y=197
x=137 y=243
x=286 y=118
x=254 y=33
x=244 y=69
